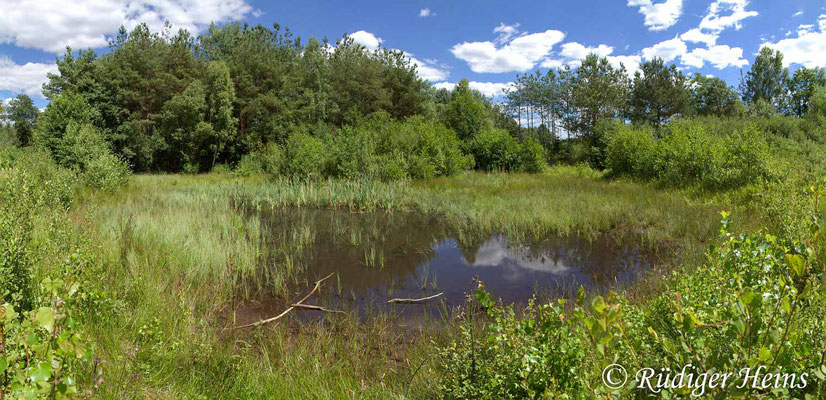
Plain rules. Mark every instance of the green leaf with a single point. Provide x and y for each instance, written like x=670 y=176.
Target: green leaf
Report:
x=41 y=373
x=765 y=354
x=45 y=318
x=598 y=304
x=580 y=296
x=4 y=363
x=796 y=263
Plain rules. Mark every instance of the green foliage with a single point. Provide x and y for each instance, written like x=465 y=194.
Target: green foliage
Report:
x=84 y=147
x=802 y=87
x=757 y=302
x=659 y=93
x=464 y=114
x=632 y=152
x=249 y=164
x=533 y=157
x=496 y=150
x=53 y=124
x=106 y=171
x=599 y=91
x=766 y=80
x=304 y=155
x=691 y=153
x=377 y=146
x=713 y=97
x=44 y=350
x=22 y=112
x=509 y=357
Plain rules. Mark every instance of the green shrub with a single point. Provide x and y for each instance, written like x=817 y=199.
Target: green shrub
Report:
x=532 y=158
x=304 y=156
x=758 y=301
x=692 y=152
x=250 y=164
x=107 y=172
x=687 y=153
x=222 y=168
x=496 y=149
x=377 y=146
x=632 y=152
x=352 y=152
x=272 y=159
x=391 y=167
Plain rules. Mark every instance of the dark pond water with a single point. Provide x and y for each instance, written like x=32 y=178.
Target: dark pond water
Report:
x=379 y=256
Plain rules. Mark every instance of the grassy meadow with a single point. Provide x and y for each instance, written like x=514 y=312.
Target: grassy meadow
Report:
x=178 y=250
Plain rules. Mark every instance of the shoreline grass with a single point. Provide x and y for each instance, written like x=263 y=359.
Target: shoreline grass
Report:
x=176 y=246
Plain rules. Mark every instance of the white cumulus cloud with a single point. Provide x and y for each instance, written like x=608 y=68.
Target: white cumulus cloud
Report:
x=696 y=35
x=668 y=50
x=808 y=48
x=490 y=89
x=659 y=16
x=510 y=52
x=51 y=25
x=720 y=56
x=26 y=78
x=366 y=39
x=428 y=69
x=578 y=51
x=425 y=12
x=723 y=14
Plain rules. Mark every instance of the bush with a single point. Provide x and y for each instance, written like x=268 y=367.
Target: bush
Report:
x=758 y=301
x=692 y=152
x=222 y=168
x=304 y=156
x=377 y=146
x=496 y=149
x=272 y=159
x=250 y=164
x=107 y=172
x=687 y=153
x=533 y=156
x=632 y=152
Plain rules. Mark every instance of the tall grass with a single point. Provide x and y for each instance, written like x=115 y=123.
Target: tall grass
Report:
x=177 y=248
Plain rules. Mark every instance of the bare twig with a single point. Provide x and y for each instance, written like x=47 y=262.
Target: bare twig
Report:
x=414 y=301
x=317 y=308
x=275 y=318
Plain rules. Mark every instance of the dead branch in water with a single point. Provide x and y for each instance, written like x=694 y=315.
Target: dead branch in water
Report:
x=317 y=308
x=275 y=318
x=414 y=301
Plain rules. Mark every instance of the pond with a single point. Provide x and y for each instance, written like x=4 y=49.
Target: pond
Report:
x=375 y=257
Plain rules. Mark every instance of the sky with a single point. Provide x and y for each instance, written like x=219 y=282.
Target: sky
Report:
x=488 y=42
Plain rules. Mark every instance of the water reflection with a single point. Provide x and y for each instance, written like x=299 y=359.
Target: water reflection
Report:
x=378 y=256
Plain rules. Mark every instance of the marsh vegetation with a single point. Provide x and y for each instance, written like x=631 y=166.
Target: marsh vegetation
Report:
x=574 y=226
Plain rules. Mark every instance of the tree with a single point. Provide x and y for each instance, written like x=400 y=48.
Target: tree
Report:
x=219 y=100
x=659 y=93
x=766 y=80
x=76 y=74
x=712 y=96
x=65 y=110
x=464 y=114
x=599 y=91
x=802 y=87
x=22 y=113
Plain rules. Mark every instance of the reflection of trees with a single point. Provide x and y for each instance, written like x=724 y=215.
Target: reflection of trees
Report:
x=367 y=250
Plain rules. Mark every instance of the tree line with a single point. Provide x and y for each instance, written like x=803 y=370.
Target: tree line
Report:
x=237 y=94
x=569 y=101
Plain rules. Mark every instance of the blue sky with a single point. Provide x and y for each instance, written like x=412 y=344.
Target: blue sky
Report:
x=487 y=42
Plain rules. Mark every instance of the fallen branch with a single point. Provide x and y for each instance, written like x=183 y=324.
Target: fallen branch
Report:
x=317 y=308
x=414 y=301
x=275 y=318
